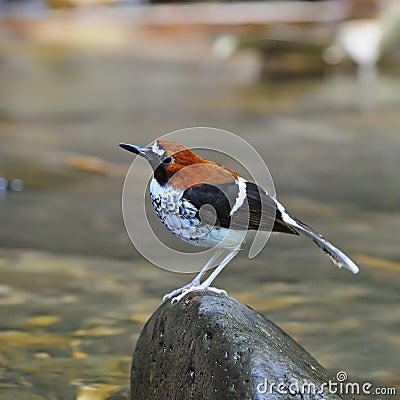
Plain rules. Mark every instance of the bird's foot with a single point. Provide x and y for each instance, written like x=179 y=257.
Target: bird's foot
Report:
x=180 y=290
x=183 y=291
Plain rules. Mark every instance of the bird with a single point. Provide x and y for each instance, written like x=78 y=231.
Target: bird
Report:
x=209 y=205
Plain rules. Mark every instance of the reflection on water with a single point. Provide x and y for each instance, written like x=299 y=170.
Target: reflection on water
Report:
x=74 y=293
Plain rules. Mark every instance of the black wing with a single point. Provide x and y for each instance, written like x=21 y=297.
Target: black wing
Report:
x=258 y=211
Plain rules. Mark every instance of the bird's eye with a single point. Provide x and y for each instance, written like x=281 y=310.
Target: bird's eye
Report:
x=167 y=160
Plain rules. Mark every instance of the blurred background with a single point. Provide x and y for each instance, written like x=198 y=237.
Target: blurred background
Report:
x=312 y=85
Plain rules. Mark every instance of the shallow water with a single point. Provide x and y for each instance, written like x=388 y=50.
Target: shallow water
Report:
x=74 y=292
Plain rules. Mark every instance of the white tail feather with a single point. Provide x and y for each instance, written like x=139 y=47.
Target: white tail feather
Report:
x=338 y=257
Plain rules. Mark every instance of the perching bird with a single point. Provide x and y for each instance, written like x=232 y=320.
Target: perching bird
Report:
x=184 y=182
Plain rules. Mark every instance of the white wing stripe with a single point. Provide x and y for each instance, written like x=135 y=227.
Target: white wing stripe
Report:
x=241 y=195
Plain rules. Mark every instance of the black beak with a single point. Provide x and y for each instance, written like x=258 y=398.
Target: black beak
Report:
x=133 y=149
x=144 y=152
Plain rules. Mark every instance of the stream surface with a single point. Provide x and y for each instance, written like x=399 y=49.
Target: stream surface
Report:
x=75 y=293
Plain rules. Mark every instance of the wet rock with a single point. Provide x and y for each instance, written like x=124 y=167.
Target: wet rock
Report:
x=210 y=346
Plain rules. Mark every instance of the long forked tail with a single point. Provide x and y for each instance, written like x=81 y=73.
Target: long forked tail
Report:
x=338 y=257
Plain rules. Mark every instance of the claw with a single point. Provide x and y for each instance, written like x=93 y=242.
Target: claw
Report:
x=179 y=290
x=172 y=294
x=188 y=289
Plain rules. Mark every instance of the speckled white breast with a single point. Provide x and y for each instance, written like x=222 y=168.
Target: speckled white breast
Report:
x=179 y=216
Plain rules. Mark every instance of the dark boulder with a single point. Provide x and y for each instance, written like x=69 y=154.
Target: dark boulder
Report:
x=210 y=346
